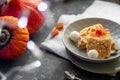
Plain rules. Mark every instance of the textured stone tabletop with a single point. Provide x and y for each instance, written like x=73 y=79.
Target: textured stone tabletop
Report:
x=53 y=66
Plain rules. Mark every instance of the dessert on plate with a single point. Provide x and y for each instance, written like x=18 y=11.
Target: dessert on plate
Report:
x=97 y=41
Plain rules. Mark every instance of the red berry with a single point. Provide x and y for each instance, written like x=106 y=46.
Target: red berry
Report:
x=60 y=25
x=101 y=32
x=55 y=32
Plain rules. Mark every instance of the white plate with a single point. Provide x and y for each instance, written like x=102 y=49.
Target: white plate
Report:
x=102 y=68
x=79 y=25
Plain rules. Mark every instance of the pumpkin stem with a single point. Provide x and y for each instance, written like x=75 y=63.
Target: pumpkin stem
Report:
x=2 y=37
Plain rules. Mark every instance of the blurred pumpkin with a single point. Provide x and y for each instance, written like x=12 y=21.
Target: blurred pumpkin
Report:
x=18 y=8
x=13 y=40
x=32 y=3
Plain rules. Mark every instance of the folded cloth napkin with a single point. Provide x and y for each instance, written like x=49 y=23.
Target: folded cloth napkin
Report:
x=100 y=9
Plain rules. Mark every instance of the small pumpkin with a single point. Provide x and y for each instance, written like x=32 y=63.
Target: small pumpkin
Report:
x=13 y=40
x=16 y=7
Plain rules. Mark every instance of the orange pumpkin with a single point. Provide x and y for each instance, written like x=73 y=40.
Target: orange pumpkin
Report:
x=16 y=7
x=13 y=40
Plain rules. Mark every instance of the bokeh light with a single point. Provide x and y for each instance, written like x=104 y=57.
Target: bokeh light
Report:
x=36 y=63
x=34 y=50
x=22 y=23
x=31 y=66
x=42 y=6
x=30 y=45
x=1 y=26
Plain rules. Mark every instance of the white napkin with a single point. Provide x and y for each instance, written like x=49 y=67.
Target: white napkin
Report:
x=104 y=9
x=100 y=9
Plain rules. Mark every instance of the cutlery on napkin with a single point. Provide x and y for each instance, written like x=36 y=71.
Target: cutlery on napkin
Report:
x=100 y=9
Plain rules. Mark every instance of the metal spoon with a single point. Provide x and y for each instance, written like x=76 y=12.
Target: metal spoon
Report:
x=70 y=76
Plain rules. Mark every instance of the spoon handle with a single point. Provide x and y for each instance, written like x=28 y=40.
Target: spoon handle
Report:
x=71 y=76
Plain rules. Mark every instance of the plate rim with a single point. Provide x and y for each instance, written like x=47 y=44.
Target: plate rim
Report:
x=89 y=70
x=88 y=59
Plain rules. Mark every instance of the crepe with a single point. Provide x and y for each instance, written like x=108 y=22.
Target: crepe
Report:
x=84 y=33
x=98 y=38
